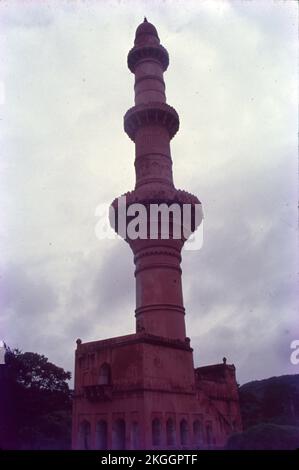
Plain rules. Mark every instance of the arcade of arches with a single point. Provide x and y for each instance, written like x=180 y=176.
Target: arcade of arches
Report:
x=126 y=435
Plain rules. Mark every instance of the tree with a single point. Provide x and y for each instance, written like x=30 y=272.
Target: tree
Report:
x=265 y=436
x=41 y=401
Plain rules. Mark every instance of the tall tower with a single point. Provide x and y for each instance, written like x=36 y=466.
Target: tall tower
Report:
x=151 y=124
x=141 y=391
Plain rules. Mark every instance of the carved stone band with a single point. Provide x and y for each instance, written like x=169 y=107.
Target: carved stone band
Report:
x=158 y=53
x=151 y=113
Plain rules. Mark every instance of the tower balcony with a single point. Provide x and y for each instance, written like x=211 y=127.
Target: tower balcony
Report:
x=148 y=52
x=96 y=393
x=151 y=114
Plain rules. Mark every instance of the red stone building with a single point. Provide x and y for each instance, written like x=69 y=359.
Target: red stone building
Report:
x=141 y=391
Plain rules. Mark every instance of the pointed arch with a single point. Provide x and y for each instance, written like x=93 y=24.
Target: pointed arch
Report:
x=184 y=432
x=156 y=432
x=102 y=435
x=135 y=435
x=105 y=374
x=197 y=433
x=84 y=435
x=209 y=434
x=170 y=432
x=119 y=434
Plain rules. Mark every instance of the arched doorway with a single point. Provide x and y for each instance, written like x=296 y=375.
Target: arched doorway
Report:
x=135 y=435
x=197 y=433
x=209 y=434
x=101 y=435
x=84 y=435
x=104 y=374
x=156 y=432
x=184 y=434
x=119 y=434
x=170 y=432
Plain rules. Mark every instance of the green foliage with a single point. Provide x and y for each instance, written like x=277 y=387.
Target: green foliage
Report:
x=270 y=414
x=265 y=436
x=42 y=401
x=35 y=371
x=274 y=400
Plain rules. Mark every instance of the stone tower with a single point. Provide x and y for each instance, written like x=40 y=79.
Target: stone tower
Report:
x=151 y=124
x=141 y=391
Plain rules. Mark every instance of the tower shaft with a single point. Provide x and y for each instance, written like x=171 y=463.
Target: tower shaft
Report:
x=151 y=124
x=141 y=391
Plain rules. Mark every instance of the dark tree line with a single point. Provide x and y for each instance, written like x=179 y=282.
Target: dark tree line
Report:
x=35 y=403
x=270 y=414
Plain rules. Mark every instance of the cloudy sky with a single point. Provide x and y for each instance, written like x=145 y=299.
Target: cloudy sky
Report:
x=64 y=89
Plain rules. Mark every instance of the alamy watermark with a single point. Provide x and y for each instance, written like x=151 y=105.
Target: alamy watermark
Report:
x=294 y=357
x=158 y=221
x=154 y=221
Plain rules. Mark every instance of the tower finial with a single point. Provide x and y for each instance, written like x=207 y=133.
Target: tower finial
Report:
x=145 y=20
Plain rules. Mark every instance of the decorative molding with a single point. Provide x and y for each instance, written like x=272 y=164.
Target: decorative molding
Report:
x=158 y=265
x=149 y=154
x=153 y=166
x=151 y=113
x=157 y=53
x=96 y=393
x=144 y=180
x=136 y=338
x=140 y=92
x=149 y=77
x=149 y=308
x=158 y=195
x=157 y=251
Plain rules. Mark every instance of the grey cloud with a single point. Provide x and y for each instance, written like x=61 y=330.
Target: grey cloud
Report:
x=102 y=292
x=231 y=79
x=13 y=15
x=24 y=295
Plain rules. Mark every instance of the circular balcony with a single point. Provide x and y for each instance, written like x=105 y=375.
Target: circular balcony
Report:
x=157 y=53
x=151 y=114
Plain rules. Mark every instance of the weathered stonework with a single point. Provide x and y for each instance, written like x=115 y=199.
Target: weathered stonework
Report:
x=141 y=391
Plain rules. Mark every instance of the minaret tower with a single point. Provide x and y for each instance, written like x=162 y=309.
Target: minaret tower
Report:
x=140 y=390
x=151 y=124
